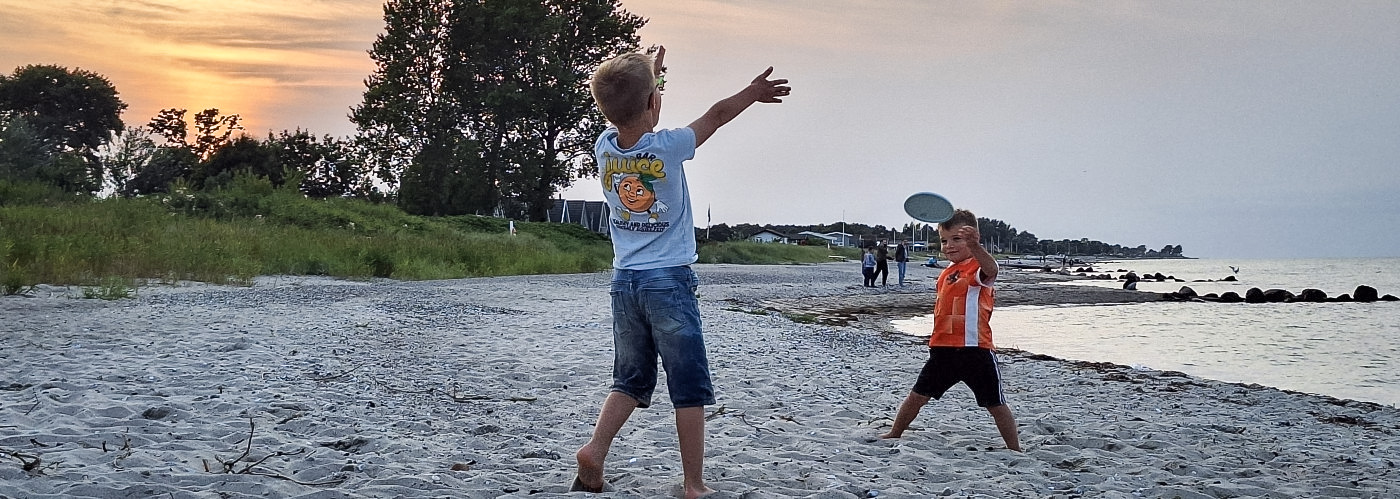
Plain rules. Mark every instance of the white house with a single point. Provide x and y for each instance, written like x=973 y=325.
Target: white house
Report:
x=770 y=236
x=839 y=238
x=829 y=240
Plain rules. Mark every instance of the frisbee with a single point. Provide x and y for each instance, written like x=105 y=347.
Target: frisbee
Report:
x=928 y=207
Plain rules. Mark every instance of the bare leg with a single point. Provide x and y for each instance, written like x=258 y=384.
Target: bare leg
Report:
x=616 y=409
x=907 y=411
x=1006 y=424
x=690 y=429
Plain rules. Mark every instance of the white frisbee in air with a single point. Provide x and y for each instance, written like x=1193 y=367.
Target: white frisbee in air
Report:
x=928 y=207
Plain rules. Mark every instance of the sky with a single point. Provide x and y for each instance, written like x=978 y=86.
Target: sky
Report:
x=1248 y=129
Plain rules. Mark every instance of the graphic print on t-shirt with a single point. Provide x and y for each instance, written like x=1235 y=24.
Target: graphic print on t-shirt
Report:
x=633 y=180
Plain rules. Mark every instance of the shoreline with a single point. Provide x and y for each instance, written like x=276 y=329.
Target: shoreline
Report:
x=484 y=388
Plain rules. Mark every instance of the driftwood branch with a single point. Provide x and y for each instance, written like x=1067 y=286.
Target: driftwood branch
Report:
x=28 y=462
x=342 y=373
x=251 y=469
x=722 y=410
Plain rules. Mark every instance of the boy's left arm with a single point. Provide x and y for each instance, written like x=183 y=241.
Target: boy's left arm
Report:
x=984 y=258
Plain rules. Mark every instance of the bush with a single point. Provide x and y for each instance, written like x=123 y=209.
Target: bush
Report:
x=18 y=193
x=748 y=252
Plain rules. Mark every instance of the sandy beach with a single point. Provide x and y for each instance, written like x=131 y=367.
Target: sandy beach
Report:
x=322 y=388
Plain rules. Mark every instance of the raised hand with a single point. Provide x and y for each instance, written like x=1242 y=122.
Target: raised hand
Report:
x=769 y=91
x=971 y=235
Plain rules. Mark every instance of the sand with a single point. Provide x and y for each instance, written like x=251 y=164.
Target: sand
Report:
x=322 y=388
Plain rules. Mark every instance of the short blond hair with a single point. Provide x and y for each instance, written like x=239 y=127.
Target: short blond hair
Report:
x=960 y=218
x=622 y=86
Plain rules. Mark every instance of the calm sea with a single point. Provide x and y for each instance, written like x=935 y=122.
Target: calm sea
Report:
x=1346 y=350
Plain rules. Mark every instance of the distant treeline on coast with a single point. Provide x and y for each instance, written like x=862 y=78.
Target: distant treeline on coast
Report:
x=997 y=235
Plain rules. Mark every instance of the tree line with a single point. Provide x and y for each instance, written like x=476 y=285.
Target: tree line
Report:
x=997 y=235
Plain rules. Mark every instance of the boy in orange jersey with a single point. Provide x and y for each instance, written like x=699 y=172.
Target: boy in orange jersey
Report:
x=960 y=348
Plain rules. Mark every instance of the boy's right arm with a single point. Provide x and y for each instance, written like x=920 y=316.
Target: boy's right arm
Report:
x=761 y=89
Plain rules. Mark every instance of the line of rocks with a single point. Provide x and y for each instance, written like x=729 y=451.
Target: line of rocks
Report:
x=1363 y=294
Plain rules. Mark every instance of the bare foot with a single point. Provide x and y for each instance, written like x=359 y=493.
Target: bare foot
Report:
x=696 y=493
x=590 y=470
x=680 y=491
x=889 y=435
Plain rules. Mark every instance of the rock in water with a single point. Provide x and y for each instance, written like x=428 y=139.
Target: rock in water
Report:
x=1365 y=293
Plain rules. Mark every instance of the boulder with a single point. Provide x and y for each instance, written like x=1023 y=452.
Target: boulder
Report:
x=1389 y=298
x=1278 y=296
x=1230 y=297
x=1365 y=293
x=1185 y=294
x=1230 y=278
x=1341 y=297
x=1254 y=295
x=1313 y=295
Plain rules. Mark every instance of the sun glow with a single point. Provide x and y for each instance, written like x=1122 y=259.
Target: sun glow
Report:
x=276 y=67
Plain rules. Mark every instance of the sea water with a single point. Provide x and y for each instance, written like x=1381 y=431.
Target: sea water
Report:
x=1345 y=350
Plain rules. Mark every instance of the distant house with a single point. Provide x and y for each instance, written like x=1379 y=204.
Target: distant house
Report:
x=841 y=238
x=771 y=236
x=816 y=239
x=591 y=214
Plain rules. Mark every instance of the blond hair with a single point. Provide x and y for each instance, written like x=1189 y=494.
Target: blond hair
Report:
x=960 y=218
x=622 y=87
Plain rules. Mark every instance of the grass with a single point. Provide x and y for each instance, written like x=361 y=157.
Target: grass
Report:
x=231 y=237
x=111 y=246
x=748 y=252
x=111 y=288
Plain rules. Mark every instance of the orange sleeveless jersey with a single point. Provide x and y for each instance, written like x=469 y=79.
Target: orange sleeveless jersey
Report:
x=962 y=313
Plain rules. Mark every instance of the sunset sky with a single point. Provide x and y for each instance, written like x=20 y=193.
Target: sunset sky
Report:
x=1235 y=129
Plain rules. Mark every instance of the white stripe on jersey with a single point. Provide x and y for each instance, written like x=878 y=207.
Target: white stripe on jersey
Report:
x=972 y=316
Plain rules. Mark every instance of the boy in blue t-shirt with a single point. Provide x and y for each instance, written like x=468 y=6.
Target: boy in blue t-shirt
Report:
x=655 y=310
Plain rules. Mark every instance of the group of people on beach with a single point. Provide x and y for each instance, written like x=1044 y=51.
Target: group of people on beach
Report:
x=873 y=266
x=655 y=308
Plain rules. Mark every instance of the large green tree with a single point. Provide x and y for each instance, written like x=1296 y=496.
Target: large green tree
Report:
x=59 y=118
x=482 y=106
x=74 y=110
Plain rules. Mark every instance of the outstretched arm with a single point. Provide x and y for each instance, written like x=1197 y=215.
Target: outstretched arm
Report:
x=984 y=258
x=761 y=89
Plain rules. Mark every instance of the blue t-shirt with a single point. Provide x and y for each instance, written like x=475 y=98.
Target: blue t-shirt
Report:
x=649 y=215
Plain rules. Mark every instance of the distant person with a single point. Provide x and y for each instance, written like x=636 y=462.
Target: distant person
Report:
x=1130 y=281
x=867 y=266
x=882 y=268
x=932 y=262
x=653 y=239
x=901 y=260
x=960 y=348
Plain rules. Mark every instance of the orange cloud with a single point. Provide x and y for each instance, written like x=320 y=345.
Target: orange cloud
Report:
x=261 y=59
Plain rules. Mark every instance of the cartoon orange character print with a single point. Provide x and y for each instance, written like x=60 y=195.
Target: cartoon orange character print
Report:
x=638 y=196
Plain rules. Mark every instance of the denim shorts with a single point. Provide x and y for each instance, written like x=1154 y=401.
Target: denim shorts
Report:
x=656 y=313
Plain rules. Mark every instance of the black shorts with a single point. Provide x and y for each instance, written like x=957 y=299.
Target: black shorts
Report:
x=975 y=366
